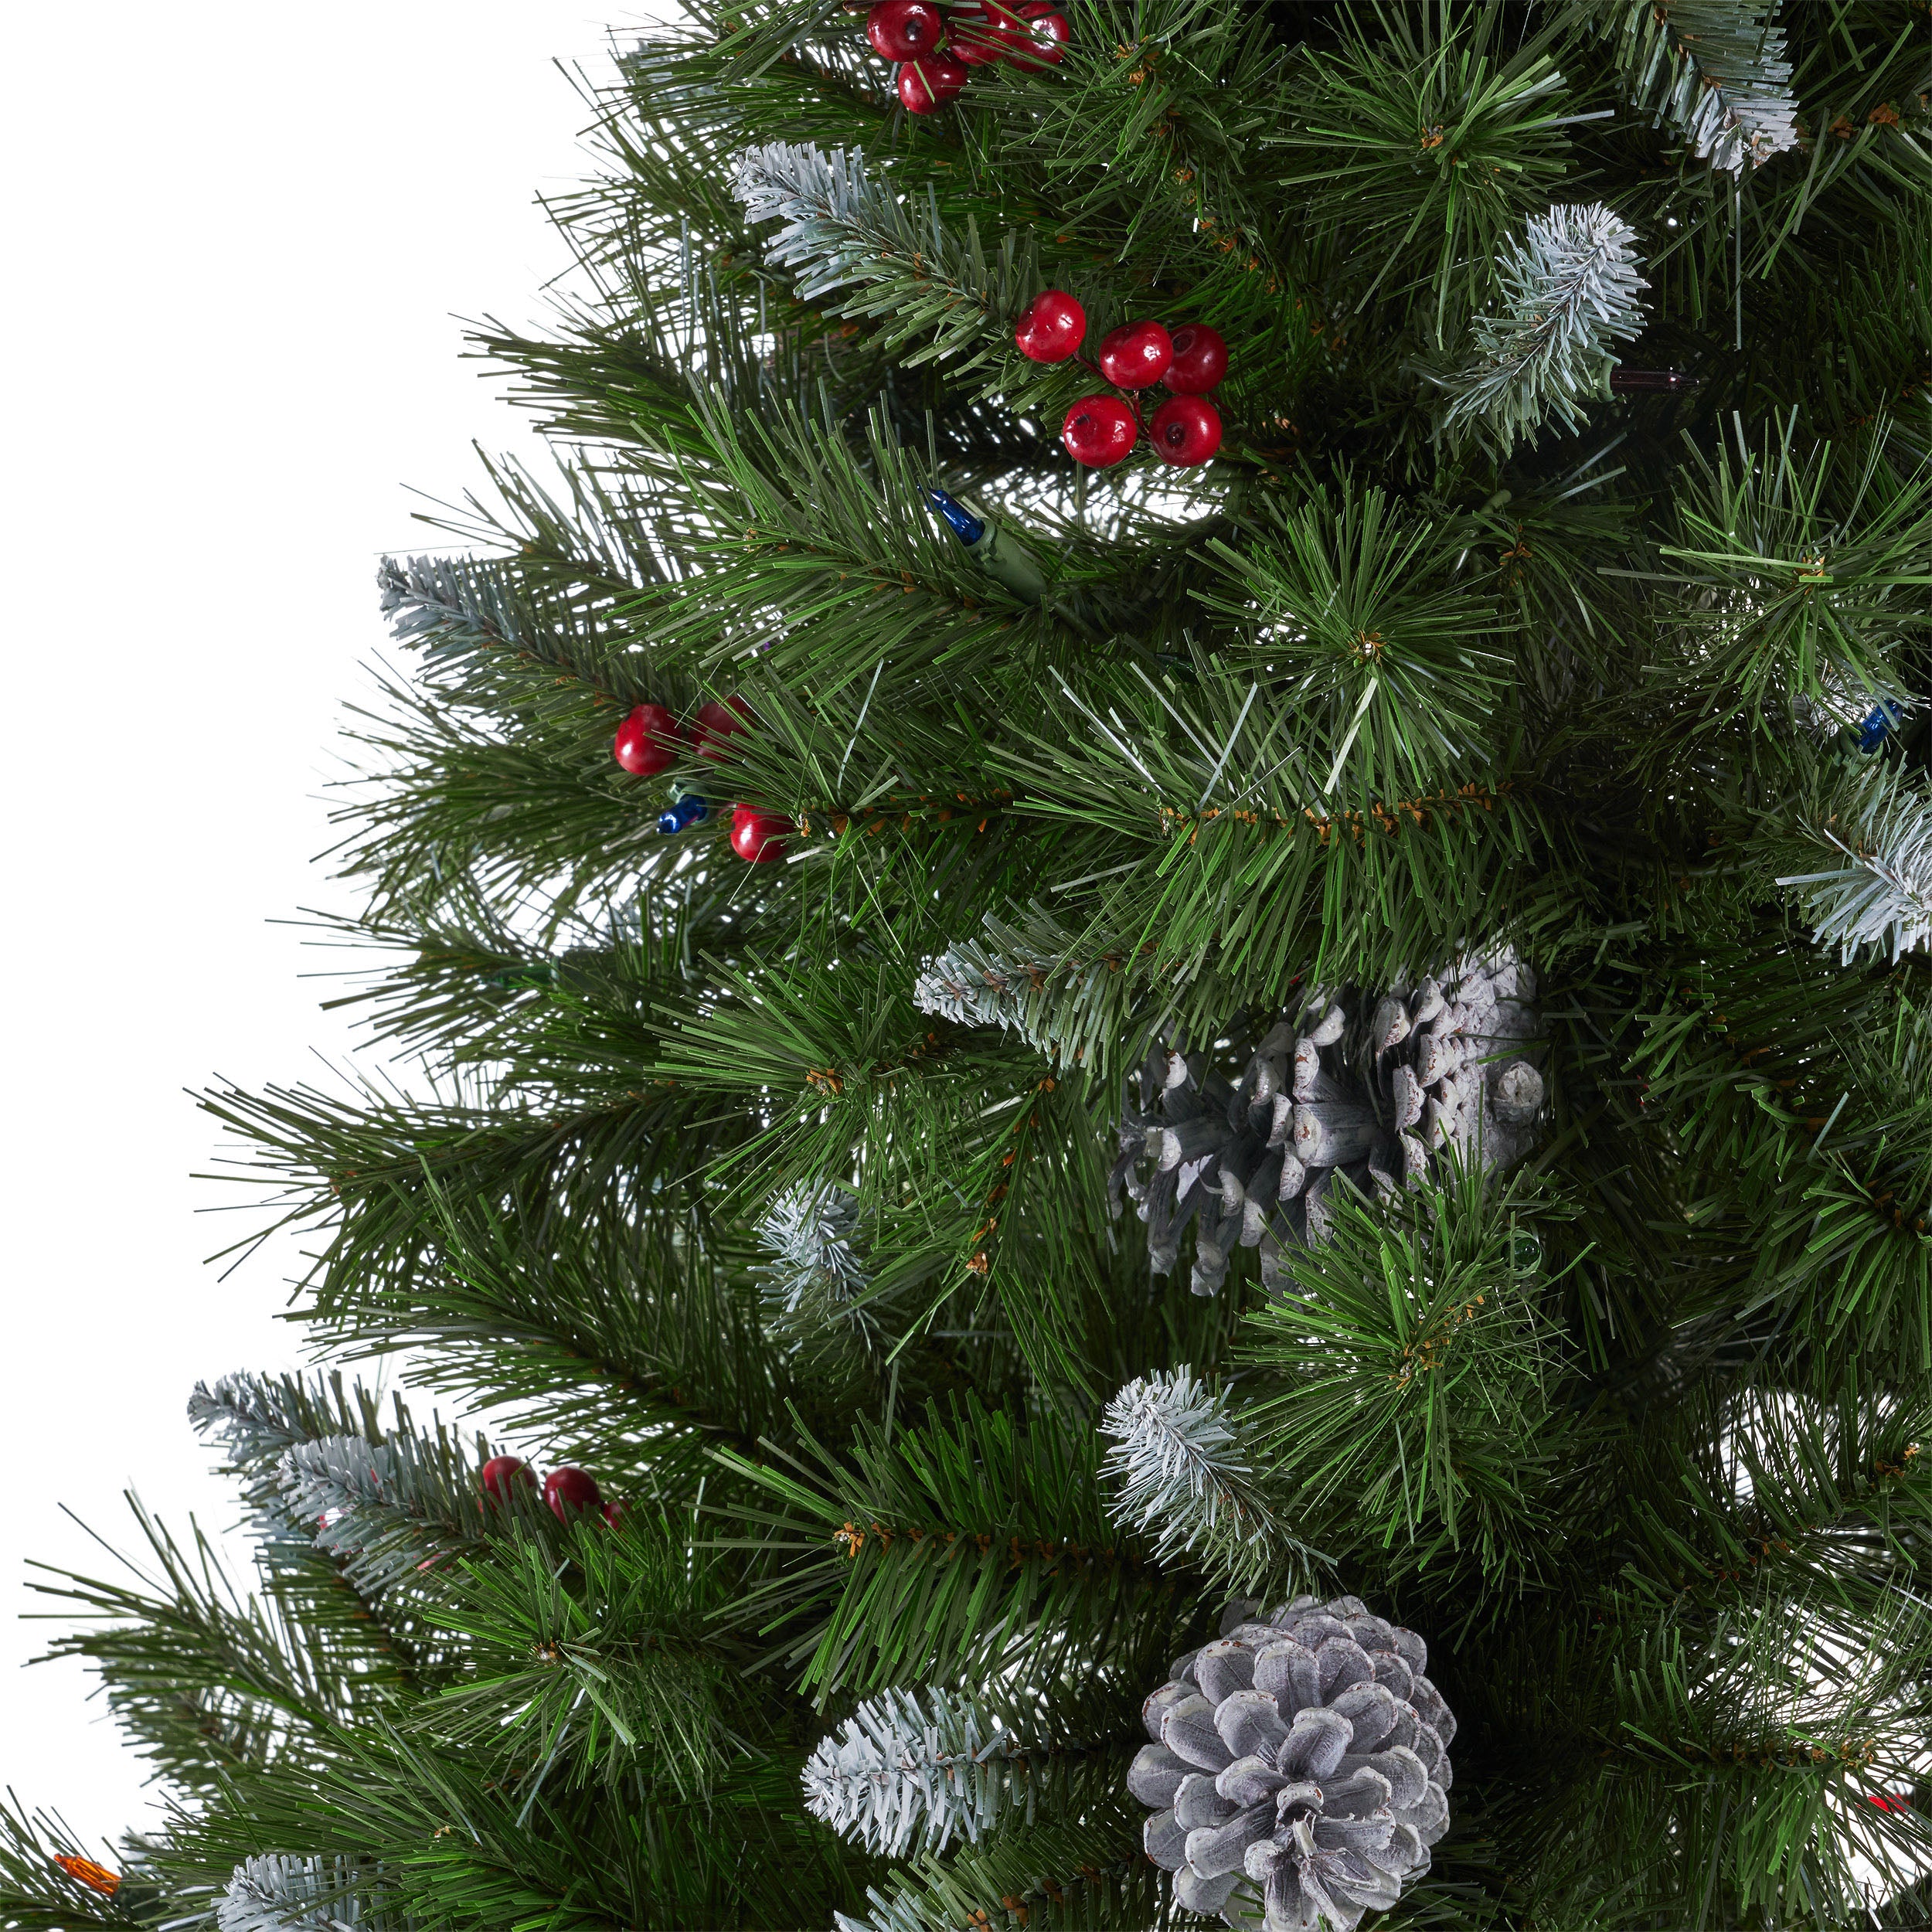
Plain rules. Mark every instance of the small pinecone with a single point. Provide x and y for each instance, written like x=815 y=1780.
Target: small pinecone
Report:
x=1303 y=1759
x=1370 y=1090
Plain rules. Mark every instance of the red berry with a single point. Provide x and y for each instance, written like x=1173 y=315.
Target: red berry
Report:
x=925 y=83
x=567 y=1491
x=758 y=837
x=1040 y=42
x=1052 y=327
x=1099 y=430
x=716 y=724
x=500 y=1471
x=1186 y=431
x=1135 y=355
x=647 y=741
x=615 y=1513
x=903 y=30
x=1200 y=359
x=977 y=35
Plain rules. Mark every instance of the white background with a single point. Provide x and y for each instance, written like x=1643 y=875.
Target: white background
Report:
x=235 y=237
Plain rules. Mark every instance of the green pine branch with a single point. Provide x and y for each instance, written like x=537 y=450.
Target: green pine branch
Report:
x=941 y=1552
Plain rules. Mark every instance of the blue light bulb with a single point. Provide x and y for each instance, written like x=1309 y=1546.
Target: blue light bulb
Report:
x=1877 y=727
x=685 y=810
x=967 y=527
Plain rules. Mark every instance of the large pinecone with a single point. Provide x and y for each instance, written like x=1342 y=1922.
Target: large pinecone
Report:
x=1305 y=1758
x=1369 y=1090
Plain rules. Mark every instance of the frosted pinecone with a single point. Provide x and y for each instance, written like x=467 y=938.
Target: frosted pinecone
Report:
x=1365 y=1089
x=1301 y=1766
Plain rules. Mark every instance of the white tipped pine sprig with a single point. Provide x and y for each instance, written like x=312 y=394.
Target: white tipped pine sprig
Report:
x=1187 y=1479
x=831 y=213
x=1877 y=891
x=1031 y=980
x=843 y=228
x=1569 y=290
x=452 y=607
x=256 y=1420
x=1715 y=70
x=277 y=1893
x=972 y=984
x=819 y=1266
x=447 y=603
x=915 y=1769
x=336 y=1474
x=387 y=1510
x=469 y=618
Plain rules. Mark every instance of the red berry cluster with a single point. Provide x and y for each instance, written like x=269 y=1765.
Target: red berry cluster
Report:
x=934 y=47
x=570 y=1492
x=648 y=742
x=1185 y=431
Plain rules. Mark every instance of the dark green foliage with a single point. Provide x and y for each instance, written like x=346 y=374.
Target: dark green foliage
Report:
x=1093 y=1874
x=1359 y=604
x=1631 y=1435
x=1428 y=143
x=205 y=1681
x=952 y=1551
x=1418 y=1408
x=611 y=1675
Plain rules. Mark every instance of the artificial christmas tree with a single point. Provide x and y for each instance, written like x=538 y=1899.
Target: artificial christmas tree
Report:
x=1511 y=684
